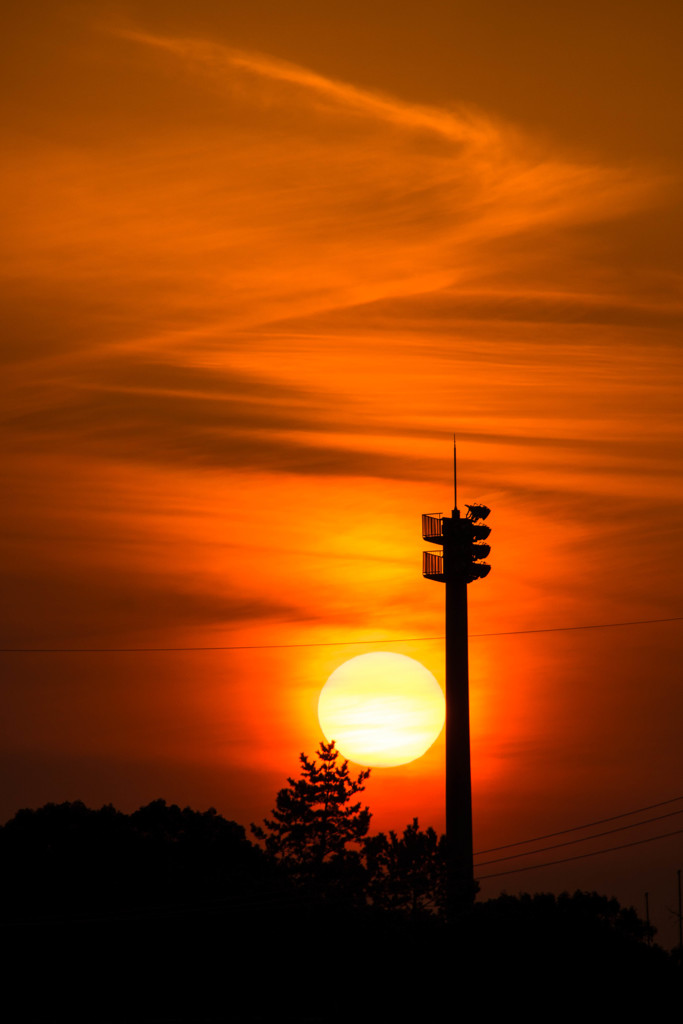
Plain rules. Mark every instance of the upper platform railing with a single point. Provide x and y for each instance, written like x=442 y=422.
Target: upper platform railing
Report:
x=432 y=527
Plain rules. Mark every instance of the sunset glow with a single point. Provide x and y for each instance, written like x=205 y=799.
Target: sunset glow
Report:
x=261 y=262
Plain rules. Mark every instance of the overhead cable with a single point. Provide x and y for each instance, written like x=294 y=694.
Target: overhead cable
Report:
x=581 y=856
x=324 y=643
x=583 y=839
x=579 y=828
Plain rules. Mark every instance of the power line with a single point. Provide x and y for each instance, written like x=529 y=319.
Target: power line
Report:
x=579 y=828
x=583 y=839
x=173 y=650
x=581 y=856
x=564 y=629
x=327 y=643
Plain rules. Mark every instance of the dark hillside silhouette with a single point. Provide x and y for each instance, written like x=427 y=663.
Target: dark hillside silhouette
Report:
x=171 y=914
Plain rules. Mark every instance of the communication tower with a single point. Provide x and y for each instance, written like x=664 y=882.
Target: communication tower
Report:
x=458 y=562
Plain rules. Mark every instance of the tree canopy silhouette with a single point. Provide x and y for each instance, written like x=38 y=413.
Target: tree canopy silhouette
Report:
x=67 y=859
x=406 y=873
x=152 y=904
x=314 y=822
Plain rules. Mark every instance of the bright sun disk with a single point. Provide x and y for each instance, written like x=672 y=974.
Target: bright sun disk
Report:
x=381 y=709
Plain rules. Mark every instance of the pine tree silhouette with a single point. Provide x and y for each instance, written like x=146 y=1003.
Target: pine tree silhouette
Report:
x=315 y=826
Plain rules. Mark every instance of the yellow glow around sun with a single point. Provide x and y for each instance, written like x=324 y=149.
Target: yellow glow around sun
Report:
x=382 y=709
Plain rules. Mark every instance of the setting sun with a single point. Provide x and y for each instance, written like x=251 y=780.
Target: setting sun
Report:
x=382 y=709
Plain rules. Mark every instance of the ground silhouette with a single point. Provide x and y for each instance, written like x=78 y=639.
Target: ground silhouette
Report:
x=171 y=914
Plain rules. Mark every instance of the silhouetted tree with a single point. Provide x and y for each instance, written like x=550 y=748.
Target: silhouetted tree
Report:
x=152 y=905
x=574 y=919
x=67 y=859
x=315 y=825
x=406 y=873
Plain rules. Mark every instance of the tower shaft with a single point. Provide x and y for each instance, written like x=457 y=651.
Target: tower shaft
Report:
x=460 y=867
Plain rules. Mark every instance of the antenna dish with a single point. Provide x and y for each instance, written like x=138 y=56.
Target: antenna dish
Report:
x=478 y=512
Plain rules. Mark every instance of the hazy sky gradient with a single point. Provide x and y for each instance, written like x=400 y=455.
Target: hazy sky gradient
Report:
x=261 y=264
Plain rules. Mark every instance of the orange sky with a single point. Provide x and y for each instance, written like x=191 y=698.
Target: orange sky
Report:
x=261 y=262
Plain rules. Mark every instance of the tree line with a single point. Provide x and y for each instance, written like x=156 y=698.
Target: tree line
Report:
x=69 y=859
x=175 y=914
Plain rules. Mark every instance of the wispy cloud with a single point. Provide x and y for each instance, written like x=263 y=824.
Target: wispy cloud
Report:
x=216 y=62
x=270 y=271
x=294 y=193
